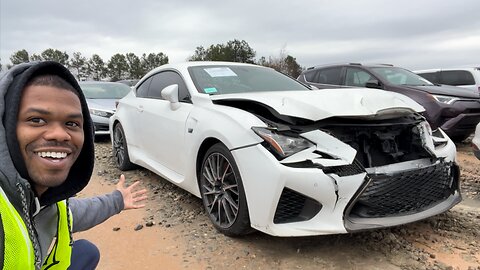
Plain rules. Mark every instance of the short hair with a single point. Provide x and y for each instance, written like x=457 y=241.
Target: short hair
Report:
x=51 y=80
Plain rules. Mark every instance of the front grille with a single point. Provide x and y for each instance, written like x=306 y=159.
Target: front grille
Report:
x=345 y=170
x=101 y=127
x=406 y=192
x=293 y=207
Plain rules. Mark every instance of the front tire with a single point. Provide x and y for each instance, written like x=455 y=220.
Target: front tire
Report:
x=120 y=150
x=222 y=192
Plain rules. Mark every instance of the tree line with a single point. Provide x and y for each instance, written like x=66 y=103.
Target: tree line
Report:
x=131 y=66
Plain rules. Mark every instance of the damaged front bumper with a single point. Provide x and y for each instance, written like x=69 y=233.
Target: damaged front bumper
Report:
x=311 y=193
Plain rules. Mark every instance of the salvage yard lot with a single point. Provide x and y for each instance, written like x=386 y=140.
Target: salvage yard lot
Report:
x=177 y=234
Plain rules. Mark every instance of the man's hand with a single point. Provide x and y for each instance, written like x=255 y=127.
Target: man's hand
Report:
x=130 y=197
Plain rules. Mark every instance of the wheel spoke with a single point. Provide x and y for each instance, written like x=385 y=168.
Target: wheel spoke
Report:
x=225 y=172
x=232 y=202
x=211 y=206
x=232 y=188
x=208 y=175
x=227 y=209
x=211 y=166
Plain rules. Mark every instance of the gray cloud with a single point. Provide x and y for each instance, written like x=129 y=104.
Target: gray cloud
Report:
x=413 y=34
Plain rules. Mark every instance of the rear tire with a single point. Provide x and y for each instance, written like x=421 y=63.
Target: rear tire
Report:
x=120 y=150
x=222 y=192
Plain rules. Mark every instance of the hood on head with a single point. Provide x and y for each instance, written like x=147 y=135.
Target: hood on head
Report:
x=11 y=86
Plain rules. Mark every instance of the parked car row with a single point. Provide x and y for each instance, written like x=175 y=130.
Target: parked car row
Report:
x=462 y=77
x=269 y=153
x=455 y=110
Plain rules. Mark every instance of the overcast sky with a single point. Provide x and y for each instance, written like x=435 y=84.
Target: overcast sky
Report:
x=412 y=34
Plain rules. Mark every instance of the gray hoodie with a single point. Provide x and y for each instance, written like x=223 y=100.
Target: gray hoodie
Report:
x=39 y=213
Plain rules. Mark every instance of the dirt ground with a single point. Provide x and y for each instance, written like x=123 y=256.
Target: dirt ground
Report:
x=173 y=232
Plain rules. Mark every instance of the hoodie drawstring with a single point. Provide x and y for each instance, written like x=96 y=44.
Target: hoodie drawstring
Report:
x=28 y=223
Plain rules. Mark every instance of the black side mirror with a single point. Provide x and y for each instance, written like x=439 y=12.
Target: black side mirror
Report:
x=373 y=83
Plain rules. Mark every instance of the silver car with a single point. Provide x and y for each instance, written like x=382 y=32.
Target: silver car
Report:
x=101 y=98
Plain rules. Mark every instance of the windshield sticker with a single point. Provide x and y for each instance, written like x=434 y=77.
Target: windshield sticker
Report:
x=210 y=90
x=220 y=72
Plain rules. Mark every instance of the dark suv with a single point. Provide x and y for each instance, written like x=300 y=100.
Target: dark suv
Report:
x=456 y=110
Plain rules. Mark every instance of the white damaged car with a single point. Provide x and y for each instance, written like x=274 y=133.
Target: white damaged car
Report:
x=266 y=152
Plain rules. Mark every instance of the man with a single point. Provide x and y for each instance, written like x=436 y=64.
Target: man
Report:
x=46 y=157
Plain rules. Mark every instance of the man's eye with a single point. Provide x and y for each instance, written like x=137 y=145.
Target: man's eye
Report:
x=73 y=124
x=37 y=120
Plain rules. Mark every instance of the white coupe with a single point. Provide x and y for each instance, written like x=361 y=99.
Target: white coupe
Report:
x=266 y=152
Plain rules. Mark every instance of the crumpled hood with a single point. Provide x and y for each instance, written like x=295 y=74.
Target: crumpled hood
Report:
x=321 y=104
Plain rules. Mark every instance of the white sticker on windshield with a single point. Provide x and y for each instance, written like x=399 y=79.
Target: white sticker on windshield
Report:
x=220 y=72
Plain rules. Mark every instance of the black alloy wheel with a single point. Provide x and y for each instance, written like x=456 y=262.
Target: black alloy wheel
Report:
x=222 y=192
x=120 y=150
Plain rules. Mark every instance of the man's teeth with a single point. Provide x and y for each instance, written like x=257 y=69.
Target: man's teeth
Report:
x=52 y=154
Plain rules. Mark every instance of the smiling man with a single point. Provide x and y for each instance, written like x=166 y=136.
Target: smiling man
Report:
x=47 y=155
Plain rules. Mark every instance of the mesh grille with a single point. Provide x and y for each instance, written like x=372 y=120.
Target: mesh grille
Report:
x=346 y=170
x=405 y=192
x=294 y=206
x=101 y=127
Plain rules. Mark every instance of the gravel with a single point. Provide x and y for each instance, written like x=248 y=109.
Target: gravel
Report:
x=446 y=241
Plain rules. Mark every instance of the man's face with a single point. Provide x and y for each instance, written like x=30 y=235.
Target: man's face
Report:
x=50 y=134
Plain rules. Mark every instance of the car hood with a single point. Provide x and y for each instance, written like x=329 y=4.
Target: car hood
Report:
x=447 y=90
x=102 y=104
x=321 y=104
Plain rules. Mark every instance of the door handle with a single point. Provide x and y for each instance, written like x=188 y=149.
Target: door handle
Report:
x=140 y=108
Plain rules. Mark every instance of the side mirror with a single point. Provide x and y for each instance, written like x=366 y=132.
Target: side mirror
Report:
x=170 y=93
x=373 y=83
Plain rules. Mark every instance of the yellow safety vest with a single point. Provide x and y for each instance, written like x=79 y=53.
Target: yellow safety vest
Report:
x=19 y=252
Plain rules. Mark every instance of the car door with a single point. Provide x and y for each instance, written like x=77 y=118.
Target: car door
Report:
x=162 y=129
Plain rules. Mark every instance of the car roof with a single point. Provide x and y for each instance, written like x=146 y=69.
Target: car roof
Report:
x=449 y=68
x=97 y=82
x=352 y=64
x=202 y=63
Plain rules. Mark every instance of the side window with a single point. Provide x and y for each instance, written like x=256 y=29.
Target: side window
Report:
x=310 y=75
x=430 y=76
x=328 y=76
x=164 y=79
x=142 y=90
x=457 y=77
x=356 y=77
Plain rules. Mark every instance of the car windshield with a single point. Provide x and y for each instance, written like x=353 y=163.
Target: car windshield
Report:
x=400 y=76
x=104 y=90
x=229 y=79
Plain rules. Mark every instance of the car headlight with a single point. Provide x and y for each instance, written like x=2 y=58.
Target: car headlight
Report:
x=101 y=113
x=280 y=144
x=445 y=99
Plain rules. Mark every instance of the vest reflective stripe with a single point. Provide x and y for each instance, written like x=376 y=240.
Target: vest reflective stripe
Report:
x=18 y=252
x=59 y=257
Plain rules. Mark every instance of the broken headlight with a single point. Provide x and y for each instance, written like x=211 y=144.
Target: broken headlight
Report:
x=282 y=145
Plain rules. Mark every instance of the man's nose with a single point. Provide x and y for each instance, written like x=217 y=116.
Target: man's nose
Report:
x=58 y=132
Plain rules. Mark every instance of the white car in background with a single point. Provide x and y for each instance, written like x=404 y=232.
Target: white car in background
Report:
x=466 y=77
x=476 y=142
x=264 y=151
